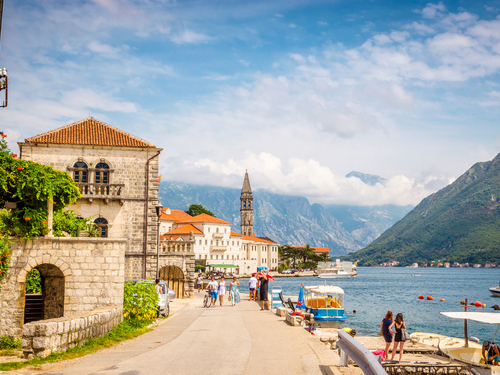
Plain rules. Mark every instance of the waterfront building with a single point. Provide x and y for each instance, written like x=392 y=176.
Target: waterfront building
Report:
x=215 y=243
x=117 y=175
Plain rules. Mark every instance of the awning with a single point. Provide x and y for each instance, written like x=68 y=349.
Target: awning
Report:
x=222 y=266
x=489 y=318
x=321 y=289
x=262 y=268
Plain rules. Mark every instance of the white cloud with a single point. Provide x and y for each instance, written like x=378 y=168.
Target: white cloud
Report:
x=188 y=36
x=244 y=62
x=292 y=25
x=322 y=23
x=86 y=98
x=421 y=28
x=103 y=49
x=433 y=10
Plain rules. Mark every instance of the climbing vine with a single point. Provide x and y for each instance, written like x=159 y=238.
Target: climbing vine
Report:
x=25 y=188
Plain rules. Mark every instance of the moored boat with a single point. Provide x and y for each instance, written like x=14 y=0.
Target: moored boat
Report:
x=335 y=274
x=325 y=302
x=470 y=353
x=495 y=291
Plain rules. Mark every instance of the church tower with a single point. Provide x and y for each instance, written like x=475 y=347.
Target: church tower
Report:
x=246 y=208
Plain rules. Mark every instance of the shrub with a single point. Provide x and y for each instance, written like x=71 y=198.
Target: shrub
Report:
x=139 y=302
x=9 y=343
x=33 y=282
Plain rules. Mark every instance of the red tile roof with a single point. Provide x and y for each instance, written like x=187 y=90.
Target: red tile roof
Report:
x=203 y=218
x=185 y=229
x=90 y=132
x=175 y=215
x=316 y=249
x=257 y=239
x=234 y=234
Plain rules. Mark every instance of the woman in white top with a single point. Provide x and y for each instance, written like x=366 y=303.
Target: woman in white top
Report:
x=222 y=290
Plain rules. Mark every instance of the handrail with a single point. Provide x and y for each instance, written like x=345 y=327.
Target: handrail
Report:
x=362 y=356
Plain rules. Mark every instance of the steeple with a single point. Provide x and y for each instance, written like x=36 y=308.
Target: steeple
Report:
x=246 y=207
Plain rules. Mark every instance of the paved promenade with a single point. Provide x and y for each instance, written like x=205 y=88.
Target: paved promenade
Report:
x=196 y=340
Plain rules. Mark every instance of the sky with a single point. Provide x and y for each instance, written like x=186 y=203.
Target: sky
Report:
x=299 y=93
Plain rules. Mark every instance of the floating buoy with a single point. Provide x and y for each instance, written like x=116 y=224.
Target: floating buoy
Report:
x=478 y=304
x=496 y=307
x=442 y=299
x=430 y=298
x=484 y=304
x=462 y=302
x=420 y=297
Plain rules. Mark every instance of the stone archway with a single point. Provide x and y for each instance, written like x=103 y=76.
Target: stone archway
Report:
x=174 y=278
x=49 y=303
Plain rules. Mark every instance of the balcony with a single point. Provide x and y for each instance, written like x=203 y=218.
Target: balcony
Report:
x=106 y=192
x=218 y=248
x=218 y=235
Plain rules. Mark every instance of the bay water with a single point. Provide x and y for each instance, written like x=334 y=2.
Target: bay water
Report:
x=375 y=290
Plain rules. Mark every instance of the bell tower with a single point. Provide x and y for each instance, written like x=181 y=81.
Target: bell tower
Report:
x=246 y=208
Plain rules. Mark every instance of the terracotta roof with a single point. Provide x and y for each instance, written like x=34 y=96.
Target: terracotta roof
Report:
x=170 y=237
x=257 y=239
x=315 y=249
x=234 y=234
x=89 y=132
x=175 y=215
x=203 y=218
x=185 y=229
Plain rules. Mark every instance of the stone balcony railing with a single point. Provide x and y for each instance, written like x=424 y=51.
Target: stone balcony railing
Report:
x=176 y=247
x=218 y=235
x=106 y=192
x=218 y=248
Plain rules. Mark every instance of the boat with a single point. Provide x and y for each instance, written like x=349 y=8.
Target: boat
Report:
x=335 y=274
x=469 y=352
x=325 y=302
x=430 y=339
x=495 y=291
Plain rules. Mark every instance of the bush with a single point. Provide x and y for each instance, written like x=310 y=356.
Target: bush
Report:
x=9 y=343
x=140 y=302
x=33 y=282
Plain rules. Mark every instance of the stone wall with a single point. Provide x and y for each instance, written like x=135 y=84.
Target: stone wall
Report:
x=42 y=337
x=179 y=254
x=91 y=270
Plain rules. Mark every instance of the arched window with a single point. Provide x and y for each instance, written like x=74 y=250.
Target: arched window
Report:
x=101 y=173
x=102 y=225
x=80 y=172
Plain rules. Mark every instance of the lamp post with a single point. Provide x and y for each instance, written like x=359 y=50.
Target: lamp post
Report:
x=159 y=209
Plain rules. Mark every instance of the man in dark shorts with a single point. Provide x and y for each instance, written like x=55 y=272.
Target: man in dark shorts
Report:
x=263 y=285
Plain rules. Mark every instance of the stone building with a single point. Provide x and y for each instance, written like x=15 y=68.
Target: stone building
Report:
x=117 y=174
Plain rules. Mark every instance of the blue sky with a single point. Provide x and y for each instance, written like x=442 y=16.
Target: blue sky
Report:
x=299 y=93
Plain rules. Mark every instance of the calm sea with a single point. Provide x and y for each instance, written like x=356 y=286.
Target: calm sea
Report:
x=374 y=291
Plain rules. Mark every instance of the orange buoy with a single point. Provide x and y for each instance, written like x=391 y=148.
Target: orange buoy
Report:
x=430 y=298
x=442 y=299
x=478 y=304
x=462 y=302
x=420 y=297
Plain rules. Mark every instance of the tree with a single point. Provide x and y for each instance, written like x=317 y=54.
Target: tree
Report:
x=198 y=209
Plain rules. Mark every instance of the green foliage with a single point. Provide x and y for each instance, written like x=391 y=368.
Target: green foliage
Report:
x=31 y=185
x=303 y=257
x=33 y=282
x=67 y=221
x=457 y=224
x=139 y=302
x=9 y=343
x=4 y=256
x=197 y=209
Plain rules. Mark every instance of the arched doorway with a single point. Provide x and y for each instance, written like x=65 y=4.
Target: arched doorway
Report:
x=174 y=278
x=44 y=293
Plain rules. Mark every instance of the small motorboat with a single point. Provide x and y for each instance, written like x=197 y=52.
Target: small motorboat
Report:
x=325 y=302
x=335 y=274
x=495 y=291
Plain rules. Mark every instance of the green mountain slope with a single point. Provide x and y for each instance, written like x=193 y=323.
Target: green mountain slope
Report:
x=459 y=223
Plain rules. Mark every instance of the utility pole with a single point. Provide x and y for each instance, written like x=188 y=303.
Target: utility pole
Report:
x=3 y=72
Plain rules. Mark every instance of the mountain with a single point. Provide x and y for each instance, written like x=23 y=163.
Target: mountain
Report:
x=459 y=223
x=289 y=219
x=369 y=179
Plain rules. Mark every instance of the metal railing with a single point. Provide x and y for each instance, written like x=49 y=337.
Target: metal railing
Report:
x=362 y=356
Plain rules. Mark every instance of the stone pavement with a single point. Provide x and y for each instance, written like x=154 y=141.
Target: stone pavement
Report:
x=196 y=340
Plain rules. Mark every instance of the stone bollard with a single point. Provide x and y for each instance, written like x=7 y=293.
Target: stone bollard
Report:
x=292 y=320
x=282 y=311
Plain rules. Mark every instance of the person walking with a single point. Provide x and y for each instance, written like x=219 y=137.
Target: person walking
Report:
x=234 y=292
x=263 y=286
x=387 y=332
x=199 y=282
x=252 y=287
x=158 y=290
x=222 y=290
x=212 y=285
x=398 y=340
